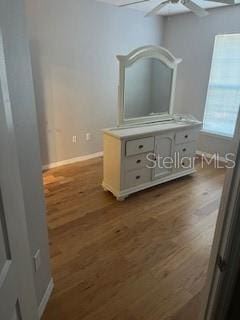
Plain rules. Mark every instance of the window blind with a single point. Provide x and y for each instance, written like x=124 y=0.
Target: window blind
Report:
x=223 y=97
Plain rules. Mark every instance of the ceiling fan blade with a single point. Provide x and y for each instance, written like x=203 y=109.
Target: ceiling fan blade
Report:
x=226 y=1
x=156 y=9
x=196 y=9
x=132 y=2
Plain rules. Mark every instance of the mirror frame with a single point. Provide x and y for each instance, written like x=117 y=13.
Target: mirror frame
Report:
x=156 y=52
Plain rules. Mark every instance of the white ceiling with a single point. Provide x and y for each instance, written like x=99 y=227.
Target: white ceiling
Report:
x=169 y=9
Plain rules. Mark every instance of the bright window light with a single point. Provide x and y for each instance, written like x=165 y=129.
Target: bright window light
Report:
x=223 y=97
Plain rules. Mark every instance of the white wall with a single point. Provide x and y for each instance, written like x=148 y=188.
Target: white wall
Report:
x=192 y=39
x=74 y=45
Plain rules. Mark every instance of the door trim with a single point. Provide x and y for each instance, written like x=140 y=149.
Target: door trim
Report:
x=45 y=298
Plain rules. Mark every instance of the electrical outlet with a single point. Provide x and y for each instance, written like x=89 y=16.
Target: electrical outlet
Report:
x=74 y=139
x=88 y=136
x=37 y=260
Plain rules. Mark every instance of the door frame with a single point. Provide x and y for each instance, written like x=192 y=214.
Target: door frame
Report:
x=215 y=304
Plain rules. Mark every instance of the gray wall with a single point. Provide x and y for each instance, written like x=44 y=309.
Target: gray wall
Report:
x=74 y=46
x=18 y=65
x=192 y=39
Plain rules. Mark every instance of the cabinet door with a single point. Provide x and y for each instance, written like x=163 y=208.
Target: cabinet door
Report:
x=163 y=152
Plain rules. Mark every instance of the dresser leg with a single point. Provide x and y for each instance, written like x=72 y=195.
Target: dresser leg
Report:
x=121 y=198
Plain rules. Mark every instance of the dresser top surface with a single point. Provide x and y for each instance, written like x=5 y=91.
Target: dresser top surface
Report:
x=121 y=132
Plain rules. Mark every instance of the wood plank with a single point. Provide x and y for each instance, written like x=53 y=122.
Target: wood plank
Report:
x=142 y=259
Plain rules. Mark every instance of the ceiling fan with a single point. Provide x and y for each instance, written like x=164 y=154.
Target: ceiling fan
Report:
x=190 y=4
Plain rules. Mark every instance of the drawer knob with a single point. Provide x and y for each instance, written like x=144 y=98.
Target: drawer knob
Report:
x=184 y=149
x=138 y=161
x=141 y=146
x=186 y=136
x=138 y=177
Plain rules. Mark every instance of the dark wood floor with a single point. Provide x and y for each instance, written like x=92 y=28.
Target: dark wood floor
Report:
x=142 y=259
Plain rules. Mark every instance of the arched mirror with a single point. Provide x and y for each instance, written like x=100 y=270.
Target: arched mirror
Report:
x=147 y=85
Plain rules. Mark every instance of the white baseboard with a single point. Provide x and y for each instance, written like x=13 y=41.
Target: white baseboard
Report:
x=45 y=298
x=210 y=155
x=73 y=160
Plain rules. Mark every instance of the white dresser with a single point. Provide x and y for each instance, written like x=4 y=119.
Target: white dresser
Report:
x=151 y=144
x=138 y=158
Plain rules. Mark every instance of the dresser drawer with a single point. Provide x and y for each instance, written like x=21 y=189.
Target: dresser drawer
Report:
x=137 y=177
x=139 y=146
x=186 y=136
x=186 y=149
x=185 y=156
x=137 y=162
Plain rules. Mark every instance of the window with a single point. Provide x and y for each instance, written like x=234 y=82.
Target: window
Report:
x=223 y=97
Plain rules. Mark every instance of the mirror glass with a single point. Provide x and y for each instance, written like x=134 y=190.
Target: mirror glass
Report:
x=148 y=86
